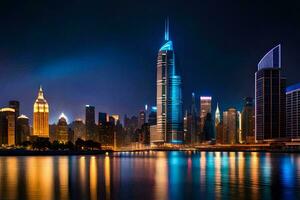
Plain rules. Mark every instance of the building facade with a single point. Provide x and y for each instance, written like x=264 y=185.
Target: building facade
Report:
x=90 y=123
x=293 y=112
x=22 y=129
x=247 y=121
x=169 y=101
x=270 y=99
x=41 y=116
x=205 y=108
x=7 y=126
x=62 y=129
x=230 y=126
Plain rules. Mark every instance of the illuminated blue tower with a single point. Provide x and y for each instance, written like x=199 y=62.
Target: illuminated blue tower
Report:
x=169 y=101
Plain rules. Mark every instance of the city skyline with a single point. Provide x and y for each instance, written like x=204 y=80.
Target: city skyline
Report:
x=90 y=64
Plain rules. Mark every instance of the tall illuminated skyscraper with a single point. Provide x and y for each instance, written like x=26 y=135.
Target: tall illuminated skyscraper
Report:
x=41 y=116
x=270 y=98
x=217 y=115
x=169 y=101
x=62 y=129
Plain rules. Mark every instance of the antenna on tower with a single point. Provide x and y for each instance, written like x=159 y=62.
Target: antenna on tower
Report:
x=167 y=29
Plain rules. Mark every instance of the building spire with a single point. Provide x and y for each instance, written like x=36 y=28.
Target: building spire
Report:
x=167 y=29
x=41 y=94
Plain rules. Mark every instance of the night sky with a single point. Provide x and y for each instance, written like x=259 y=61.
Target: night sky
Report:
x=103 y=53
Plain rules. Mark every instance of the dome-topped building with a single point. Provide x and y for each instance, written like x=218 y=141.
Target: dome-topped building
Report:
x=41 y=116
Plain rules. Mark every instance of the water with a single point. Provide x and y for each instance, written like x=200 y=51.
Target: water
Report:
x=153 y=175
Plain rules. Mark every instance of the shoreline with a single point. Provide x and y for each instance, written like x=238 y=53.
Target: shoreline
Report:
x=18 y=152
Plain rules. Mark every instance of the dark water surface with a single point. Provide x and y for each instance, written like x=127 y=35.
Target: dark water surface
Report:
x=152 y=175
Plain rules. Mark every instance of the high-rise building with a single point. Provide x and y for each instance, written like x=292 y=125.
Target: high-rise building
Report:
x=209 y=128
x=90 y=123
x=62 y=129
x=230 y=126
x=218 y=126
x=41 y=116
x=293 y=112
x=169 y=101
x=22 y=129
x=79 y=129
x=7 y=126
x=15 y=105
x=205 y=107
x=142 y=118
x=270 y=98
x=102 y=118
x=217 y=115
x=247 y=121
x=152 y=116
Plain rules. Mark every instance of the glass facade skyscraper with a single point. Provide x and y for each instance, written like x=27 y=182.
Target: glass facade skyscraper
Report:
x=270 y=98
x=169 y=101
x=293 y=112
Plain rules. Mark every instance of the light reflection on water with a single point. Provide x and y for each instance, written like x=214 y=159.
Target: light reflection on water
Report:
x=152 y=175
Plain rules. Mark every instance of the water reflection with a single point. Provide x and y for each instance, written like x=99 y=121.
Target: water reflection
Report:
x=153 y=175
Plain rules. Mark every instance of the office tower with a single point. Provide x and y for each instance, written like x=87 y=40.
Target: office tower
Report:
x=41 y=116
x=270 y=98
x=102 y=118
x=16 y=106
x=142 y=118
x=205 y=107
x=193 y=120
x=52 y=132
x=22 y=129
x=217 y=115
x=247 y=121
x=230 y=126
x=209 y=128
x=7 y=126
x=90 y=122
x=169 y=102
x=218 y=126
x=78 y=127
x=186 y=131
x=62 y=129
x=108 y=134
x=144 y=135
x=293 y=112
x=152 y=116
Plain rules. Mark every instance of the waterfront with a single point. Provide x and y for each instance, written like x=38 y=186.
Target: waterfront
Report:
x=152 y=175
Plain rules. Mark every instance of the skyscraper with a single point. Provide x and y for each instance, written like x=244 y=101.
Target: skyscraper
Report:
x=230 y=126
x=218 y=126
x=293 y=112
x=217 y=115
x=78 y=127
x=90 y=122
x=169 y=102
x=247 y=123
x=62 y=129
x=22 y=129
x=15 y=105
x=205 y=107
x=7 y=126
x=152 y=116
x=102 y=118
x=41 y=116
x=142 y=118
x=270 y=98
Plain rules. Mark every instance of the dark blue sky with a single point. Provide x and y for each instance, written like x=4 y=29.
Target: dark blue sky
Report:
x=103 y=53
